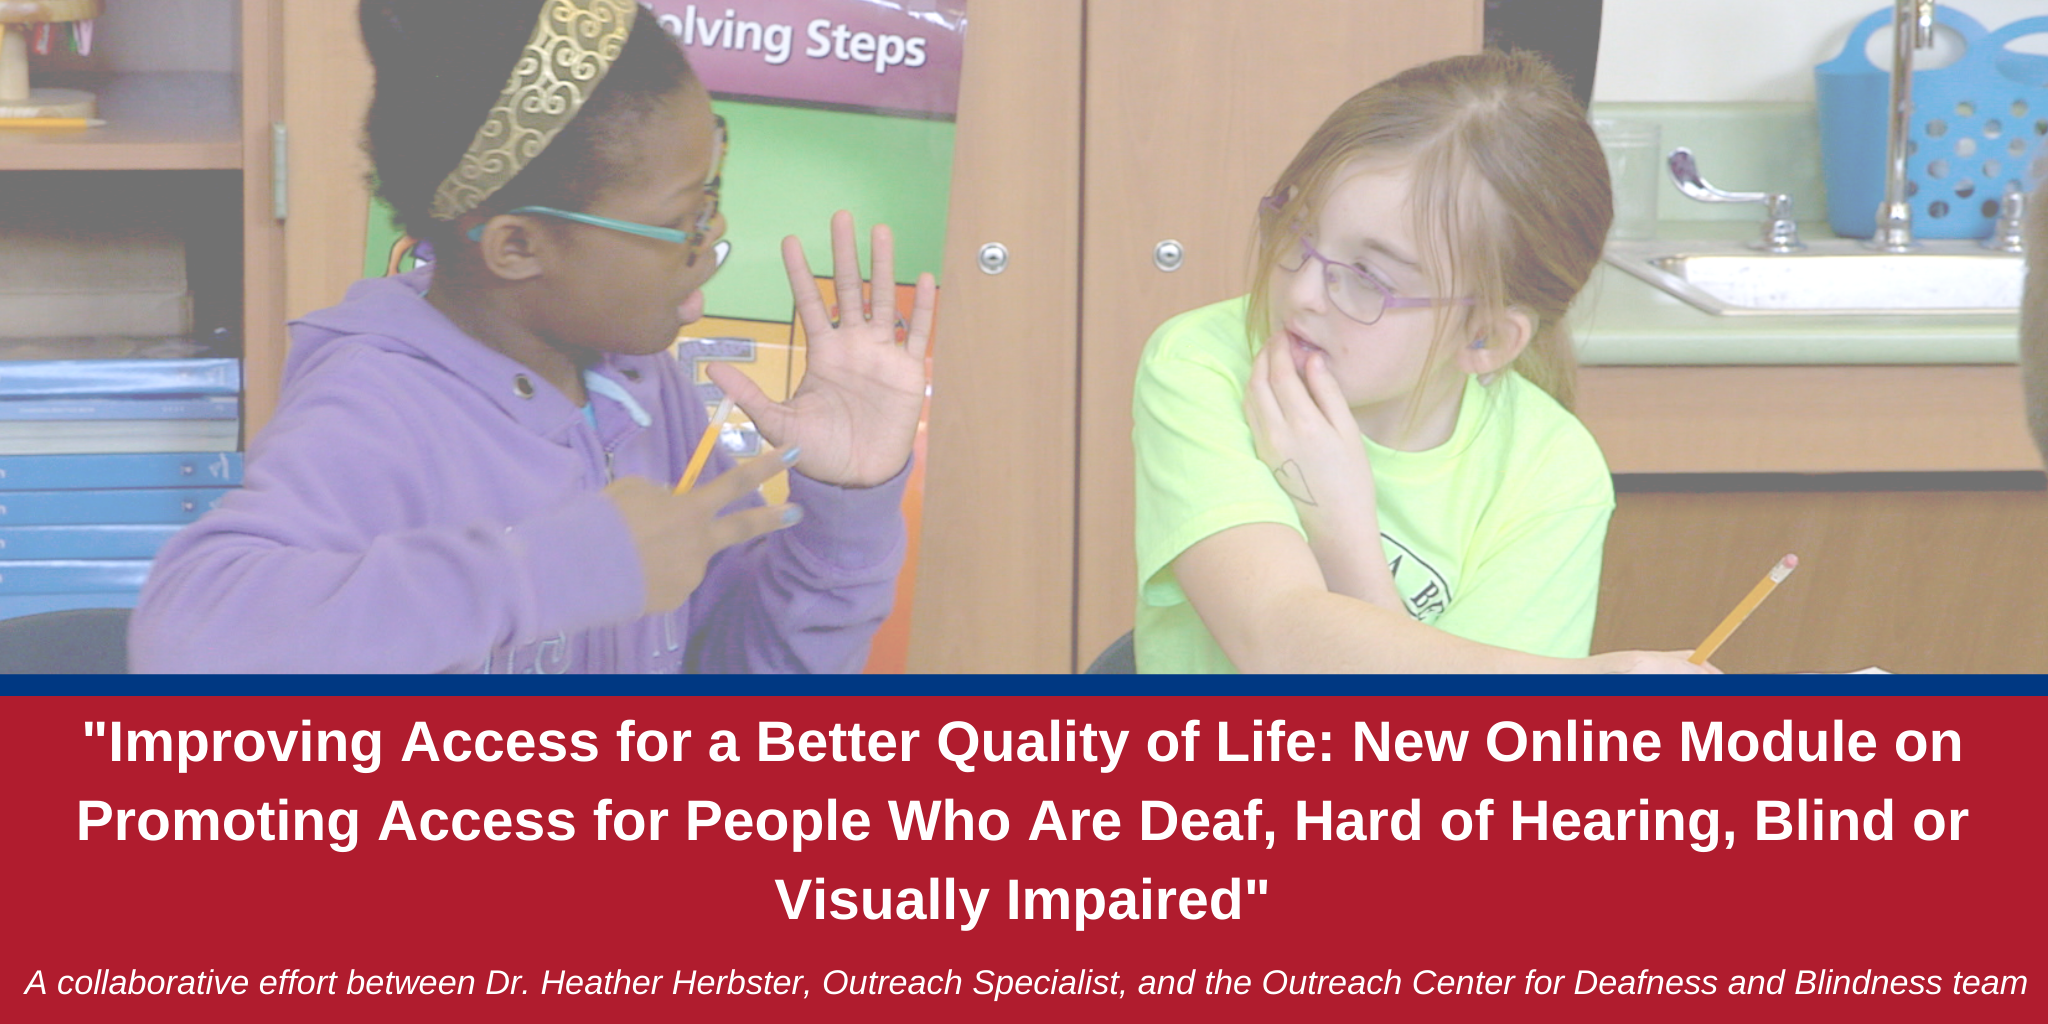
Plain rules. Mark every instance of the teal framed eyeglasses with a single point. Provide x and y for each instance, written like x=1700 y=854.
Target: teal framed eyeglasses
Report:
x=707 y=212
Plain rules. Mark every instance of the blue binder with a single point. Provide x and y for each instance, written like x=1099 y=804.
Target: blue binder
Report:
x=37 y=377
x=47 y=508
x=97 y=540
x=79 y=576
x=119 y=407
x=168 y=469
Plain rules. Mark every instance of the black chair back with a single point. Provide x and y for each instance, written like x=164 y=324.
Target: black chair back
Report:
x=82 y=641
x=1119 y=658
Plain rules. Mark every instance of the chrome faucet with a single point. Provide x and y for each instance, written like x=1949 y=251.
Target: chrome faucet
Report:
x=1781 y=233
x=1912 y=29
x=2009 y=233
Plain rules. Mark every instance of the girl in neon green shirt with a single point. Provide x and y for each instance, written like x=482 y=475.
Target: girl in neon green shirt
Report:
x=1368 y=464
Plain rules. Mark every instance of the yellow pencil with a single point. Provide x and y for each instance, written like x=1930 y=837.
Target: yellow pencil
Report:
x=703 y=453
x=50 y=122
x=1756 y=597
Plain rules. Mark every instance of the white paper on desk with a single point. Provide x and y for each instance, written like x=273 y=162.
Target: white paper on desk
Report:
x=1871 y=671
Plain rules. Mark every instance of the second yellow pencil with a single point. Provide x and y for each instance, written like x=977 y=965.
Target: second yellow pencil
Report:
x=1748 y=604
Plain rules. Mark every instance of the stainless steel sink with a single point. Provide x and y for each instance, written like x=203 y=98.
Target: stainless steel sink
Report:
x=1833 y=277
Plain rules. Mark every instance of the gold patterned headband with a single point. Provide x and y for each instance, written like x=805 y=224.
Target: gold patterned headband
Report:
x=571 y=51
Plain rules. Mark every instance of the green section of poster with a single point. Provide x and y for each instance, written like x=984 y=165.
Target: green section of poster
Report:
x=787 y=171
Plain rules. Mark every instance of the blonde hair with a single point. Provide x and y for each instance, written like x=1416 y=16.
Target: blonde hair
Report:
x=1510 y=194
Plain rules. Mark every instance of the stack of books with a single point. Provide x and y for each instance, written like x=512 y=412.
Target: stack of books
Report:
x=103 y=456
x=117 y=425
x=138 y=395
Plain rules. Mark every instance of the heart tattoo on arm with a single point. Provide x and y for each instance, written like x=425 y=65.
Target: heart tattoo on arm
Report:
x=1288 y=475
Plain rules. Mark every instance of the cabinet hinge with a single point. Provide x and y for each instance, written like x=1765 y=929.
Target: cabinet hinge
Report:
x=280 y=170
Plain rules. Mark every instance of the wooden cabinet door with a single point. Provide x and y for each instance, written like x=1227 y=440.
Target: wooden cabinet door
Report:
x=327 y=81
x=1941 y=572
x=995 y=565
x=1192 y=109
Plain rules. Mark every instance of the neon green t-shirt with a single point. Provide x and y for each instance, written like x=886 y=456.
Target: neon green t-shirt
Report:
x=1494 y=536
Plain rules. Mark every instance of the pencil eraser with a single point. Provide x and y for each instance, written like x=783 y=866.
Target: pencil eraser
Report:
x=1784 y=568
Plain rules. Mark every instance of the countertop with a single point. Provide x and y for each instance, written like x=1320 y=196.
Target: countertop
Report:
x=1621 y=320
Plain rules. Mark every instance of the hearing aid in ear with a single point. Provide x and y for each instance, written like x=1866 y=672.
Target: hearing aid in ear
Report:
x=1479 y=343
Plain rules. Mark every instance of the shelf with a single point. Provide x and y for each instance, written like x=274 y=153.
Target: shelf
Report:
x=172 y=120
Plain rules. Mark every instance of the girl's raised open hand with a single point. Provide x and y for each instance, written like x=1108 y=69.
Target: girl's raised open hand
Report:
x=855 y=413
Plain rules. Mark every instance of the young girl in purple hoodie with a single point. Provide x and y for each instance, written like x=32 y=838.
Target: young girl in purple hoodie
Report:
x=471 y=468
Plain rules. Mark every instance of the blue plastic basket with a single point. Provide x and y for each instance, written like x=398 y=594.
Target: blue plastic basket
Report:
x=1978 y=125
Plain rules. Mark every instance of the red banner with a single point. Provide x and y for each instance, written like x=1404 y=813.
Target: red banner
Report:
x=1097 y=858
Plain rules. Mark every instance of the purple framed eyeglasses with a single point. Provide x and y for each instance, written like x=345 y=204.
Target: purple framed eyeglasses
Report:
x=1355 y=293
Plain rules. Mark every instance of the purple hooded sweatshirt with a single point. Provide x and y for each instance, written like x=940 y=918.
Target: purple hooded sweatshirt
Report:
x=423 y=503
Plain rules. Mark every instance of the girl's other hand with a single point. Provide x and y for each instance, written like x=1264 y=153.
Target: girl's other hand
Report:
x=1305 y=434
x=855 y=413
x=677 y=534
x=1648 y=663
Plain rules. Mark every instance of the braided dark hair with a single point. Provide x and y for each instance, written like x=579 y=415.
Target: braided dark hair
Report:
x=440 y=67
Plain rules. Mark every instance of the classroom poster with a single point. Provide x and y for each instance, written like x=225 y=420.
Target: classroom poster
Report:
x=829 y=104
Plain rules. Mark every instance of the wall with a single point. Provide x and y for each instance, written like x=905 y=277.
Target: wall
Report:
x=1657 y=51
x=159 y=35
